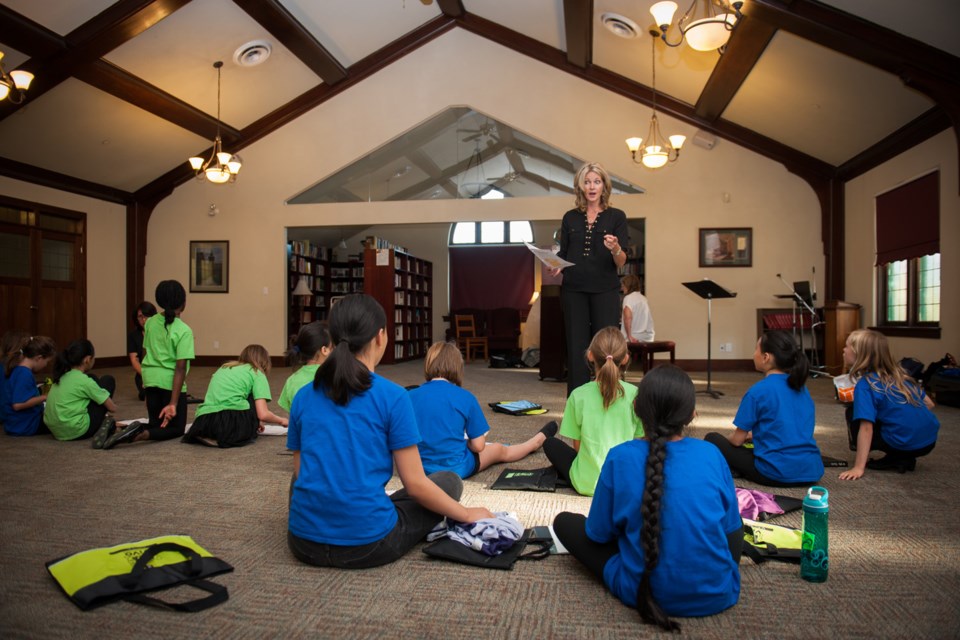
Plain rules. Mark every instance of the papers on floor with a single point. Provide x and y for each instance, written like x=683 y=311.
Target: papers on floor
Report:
x=273 y=430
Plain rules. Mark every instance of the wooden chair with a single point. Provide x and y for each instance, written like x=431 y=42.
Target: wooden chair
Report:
x=645 y=351
x=468 y=341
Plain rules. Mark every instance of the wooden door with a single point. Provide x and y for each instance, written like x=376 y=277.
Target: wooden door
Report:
x=43 y=275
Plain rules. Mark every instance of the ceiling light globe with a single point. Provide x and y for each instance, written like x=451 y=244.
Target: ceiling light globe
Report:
x=21 y=79
x=217 y=176
x=195 y=163
x=633 y=144
x=4 y=90
x=654 y=157
x=223 y=157
x=710 y=33
x=677 y=140
x=663 y=13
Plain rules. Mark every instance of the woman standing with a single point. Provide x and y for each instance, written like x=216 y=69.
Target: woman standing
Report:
x=592 y=238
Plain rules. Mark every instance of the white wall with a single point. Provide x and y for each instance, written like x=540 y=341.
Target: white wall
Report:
x=106 y=252
x=940 y=152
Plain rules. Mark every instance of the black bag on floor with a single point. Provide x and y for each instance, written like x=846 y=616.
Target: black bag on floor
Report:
x=447 y=549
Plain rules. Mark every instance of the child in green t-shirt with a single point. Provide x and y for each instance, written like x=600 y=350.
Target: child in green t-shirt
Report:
x=599 y=415
x=78 y=402
x=235 y=404
x=312 y=347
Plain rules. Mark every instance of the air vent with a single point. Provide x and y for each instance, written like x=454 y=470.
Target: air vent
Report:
x=252 y=53
x=620 y=25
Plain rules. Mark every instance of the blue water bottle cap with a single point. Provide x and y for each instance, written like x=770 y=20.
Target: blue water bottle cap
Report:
x=816 y=499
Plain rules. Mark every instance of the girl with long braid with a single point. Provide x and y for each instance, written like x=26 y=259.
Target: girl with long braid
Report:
x=598 y=415
x=773 y=442
x=662 y=483
x=169 y=345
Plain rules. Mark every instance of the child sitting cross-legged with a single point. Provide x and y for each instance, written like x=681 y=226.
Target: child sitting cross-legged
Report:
x=452 y=424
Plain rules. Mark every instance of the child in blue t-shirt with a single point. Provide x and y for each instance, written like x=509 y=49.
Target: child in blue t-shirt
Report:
x=777 y=415
x=452 y=424
x=664 y=532
x=21 y=403
x=347 y=431
x=890 y=412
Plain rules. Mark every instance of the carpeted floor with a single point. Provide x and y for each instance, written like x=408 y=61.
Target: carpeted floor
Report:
x=894 y=541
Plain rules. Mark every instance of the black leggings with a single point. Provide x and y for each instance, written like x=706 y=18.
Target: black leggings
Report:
x=584 y=314
x=97 y=412
x=561 y=456
x=157 y=399
x=742 y=462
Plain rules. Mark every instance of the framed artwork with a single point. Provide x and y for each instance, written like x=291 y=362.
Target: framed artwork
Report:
x=729 y=247
x=209 y=266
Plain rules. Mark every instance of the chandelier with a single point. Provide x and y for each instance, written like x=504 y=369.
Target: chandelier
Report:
x=705 y=26
x=657 y=151
x=15 y=84
x=221 y=167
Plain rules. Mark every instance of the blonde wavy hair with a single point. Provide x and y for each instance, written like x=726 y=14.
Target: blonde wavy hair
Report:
x=609 y=350
x=581 y=178
x=871 y=354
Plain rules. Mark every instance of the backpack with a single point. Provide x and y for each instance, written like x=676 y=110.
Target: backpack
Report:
x=763 y=541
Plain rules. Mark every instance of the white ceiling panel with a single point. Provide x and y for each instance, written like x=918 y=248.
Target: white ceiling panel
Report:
x=177 y=56
x=353 y=29
x=934 y=22
x=832 y=116
x=540 y=19
x=85 y=133
x=59 y=16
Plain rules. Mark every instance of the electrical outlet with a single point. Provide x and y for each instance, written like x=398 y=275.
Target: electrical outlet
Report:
x=728 y=347
x=723 y=347
x=216 y=344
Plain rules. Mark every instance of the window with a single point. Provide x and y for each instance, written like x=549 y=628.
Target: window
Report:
x=908 y=258
x=495 y=232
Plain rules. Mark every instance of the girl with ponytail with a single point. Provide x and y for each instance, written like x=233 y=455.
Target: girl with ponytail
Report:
x=347 y=431
x=168 y=342
x=78 y=401
x=777 y=414
x=598 y=415
x=662 y=483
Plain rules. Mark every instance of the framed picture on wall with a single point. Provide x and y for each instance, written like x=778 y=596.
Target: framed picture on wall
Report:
x=209 y=266
x=729 y=247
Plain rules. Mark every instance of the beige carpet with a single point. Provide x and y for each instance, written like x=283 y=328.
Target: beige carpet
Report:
x=894 y=546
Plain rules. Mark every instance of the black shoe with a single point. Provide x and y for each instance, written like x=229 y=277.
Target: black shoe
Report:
x=887 y=463
x=127 y=434
x=107 y=427
x=550 y=429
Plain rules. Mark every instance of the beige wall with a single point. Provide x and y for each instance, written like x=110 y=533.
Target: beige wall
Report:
x=940 y=152
x=107 y=315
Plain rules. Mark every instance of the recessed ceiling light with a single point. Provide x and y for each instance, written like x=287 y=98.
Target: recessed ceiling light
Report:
x=620 y=25
x=252 y=53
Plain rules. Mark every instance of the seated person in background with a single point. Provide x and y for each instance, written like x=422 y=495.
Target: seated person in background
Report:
x=312 y=347
x=135 y=350
x=637 y=323
x=599 y=415
x=452 y=424
x=21 y=403
x=890 y=412
x=78 y=401
x=235 y=403
x=664 y=531
x=779 y=413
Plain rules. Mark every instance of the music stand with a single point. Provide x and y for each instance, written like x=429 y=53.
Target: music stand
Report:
x=709 y=290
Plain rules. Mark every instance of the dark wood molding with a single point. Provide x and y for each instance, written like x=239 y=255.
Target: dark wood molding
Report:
x=701 y=365
x=578 y=27
x=746 y=45
x=928 y=333
x=129 y=88
x=46 y=178
x=275 y=18
x=138 y=217
x=451 y=8
x=906 y=137
x=28 y=37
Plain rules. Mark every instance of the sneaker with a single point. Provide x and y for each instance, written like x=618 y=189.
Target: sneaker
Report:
x=888 y=463
x=127 y=434
x=107 y=427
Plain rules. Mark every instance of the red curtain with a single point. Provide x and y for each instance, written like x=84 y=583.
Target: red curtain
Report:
x=490 y=277
x=908 y=220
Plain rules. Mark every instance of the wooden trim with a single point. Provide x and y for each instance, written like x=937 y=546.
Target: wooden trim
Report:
x=715 y=365
x=275 y=18
x=929 y=333
x=46 y=178
x=906 y=137
x=451 y=8
x=578 y=27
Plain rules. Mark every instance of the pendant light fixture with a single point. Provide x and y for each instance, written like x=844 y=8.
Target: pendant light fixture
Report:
x=13 y=86
x=657 y=151
x=221 y=167
x=705 y=26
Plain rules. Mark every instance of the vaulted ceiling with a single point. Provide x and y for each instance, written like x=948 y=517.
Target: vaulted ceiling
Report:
x=125 y=91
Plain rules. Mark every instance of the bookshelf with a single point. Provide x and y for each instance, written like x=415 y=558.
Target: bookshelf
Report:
x=309 y=262
x=403 y=284
x=346 y=277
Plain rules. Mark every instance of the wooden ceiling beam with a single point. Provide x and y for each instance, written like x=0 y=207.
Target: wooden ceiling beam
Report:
x=451 y=8
x=27 y=36
x=746 y=45
x=276 y=19
x=578 y=26
x=54 y=180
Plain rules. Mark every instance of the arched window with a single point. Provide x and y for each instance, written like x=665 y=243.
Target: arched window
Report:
x=490 y=232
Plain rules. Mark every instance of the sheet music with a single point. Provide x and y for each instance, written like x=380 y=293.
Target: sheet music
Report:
x=548 y=257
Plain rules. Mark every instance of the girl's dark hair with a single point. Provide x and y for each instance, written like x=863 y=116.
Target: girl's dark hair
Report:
x=312 y=338
x=170 y=296
x=71 y=357
x=354 y=322
x=146 y=308
x=27 y=346
x=665 y=403
x=787 y=356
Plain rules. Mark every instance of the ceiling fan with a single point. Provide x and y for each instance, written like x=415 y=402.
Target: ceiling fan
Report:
x=486 y=130
x=522 y=177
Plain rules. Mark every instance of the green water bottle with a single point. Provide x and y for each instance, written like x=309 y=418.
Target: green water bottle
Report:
x=814 y=560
